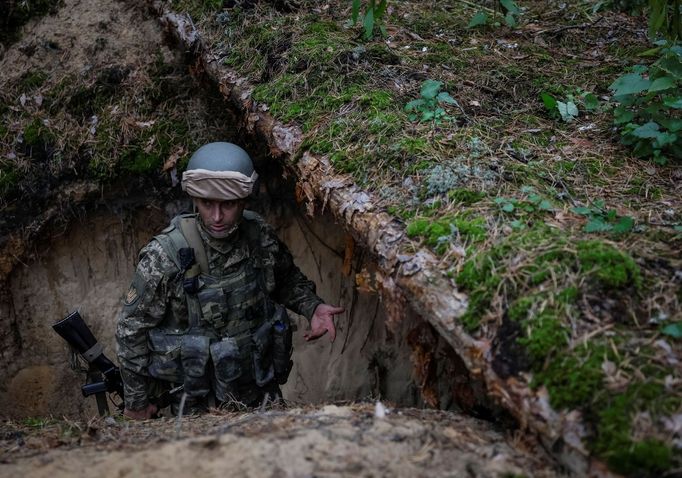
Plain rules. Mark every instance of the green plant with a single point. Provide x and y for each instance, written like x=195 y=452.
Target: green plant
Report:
x=443 y=232
x=429 y=105
x=568 y=109
x=673 y=330
x=664 y=19
x=509 y=8
x=650 y=100
x=531 y=204
x=600 y=219
x=37 y=422
x=372 y=17
x=633 y=7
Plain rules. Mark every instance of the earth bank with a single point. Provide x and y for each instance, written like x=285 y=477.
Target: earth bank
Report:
x=502 y=337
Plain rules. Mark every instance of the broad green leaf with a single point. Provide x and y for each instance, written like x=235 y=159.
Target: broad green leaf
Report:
x=624 y=224
x=481 y=18
x=355 y=12
x=430 y=88
x=590 y=101
x=445 y=97
x=368 y=23
x=672 y=125
x=414 y=105
x=535 y=198
x=622 y=115
x=510 y=20
x=629 y=84
x=568 y=111
x=380 y=9
x=673 y=330
x=643 y=148
x=650 y=53
x=659 y=158
x=671 y=64
x=597 y=225
x=597 y=6
x=546 y=205
x=677 y=228
x=427 y=115
x=664 y=139
x=599 y=204
x=508 y=207
x=527 y=189
x=674 y=102
x=647 y=130
x=663 y=83
x=584 y=211
x=548 y=100
x=516 y=224
x=510 y=6
x=657 y=17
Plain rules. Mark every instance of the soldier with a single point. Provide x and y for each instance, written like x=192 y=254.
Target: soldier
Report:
x=203 y=312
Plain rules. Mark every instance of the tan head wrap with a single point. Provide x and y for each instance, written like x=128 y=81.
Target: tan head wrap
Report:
x=222 y=185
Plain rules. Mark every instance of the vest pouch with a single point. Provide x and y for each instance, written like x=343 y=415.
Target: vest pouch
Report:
x=194 y=352
x=213 y=305
x=263 y=369
x=226 y=367
x=165 y=363
x=282 y=347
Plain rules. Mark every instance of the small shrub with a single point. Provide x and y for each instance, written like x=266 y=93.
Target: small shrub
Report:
x=373 y=17
x=650 y=99
x=510 y=10
x=600 y=219
x=429 y=106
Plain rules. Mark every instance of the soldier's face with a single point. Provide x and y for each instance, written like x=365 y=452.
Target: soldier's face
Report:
x=219 y=217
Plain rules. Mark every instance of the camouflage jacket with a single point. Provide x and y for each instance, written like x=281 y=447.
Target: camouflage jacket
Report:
x=156 y=299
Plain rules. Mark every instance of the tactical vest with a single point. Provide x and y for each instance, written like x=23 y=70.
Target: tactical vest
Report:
x=236 y=335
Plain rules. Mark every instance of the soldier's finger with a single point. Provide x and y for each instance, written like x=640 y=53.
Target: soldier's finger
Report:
x=314 y=334
x=332 y=332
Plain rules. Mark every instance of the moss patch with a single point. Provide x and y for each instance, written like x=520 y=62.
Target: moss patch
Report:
x=573 y=379
x=441 y=233
x=609 y=266
x=614 y=440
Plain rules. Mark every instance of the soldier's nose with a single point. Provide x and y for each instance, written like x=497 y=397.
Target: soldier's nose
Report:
x=216 y=214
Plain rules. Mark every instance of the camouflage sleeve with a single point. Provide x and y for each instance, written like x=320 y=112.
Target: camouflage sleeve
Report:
x=292 y=287
x=143 y=308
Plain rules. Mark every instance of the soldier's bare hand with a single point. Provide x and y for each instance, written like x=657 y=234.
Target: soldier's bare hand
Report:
x=323 y=322
x=144 y=414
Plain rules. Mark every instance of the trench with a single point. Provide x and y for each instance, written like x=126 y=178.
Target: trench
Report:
x=85 y=262
x=87 y=266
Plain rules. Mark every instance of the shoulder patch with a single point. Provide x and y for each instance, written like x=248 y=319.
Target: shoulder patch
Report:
x=131 y=296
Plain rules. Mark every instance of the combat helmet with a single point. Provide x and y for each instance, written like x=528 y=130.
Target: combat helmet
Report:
x=221 y=171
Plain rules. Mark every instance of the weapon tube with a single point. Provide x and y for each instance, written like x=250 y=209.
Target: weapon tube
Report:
x=77 y=334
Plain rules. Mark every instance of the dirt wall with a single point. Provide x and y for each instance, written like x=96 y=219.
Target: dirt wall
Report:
x=88 y=266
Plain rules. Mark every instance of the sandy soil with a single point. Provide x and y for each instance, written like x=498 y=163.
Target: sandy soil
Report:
x=328 y=441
